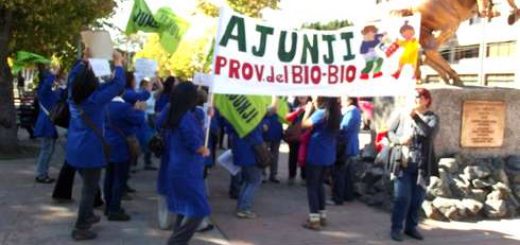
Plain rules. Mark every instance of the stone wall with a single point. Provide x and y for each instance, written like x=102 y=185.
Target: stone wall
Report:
x=448 y=102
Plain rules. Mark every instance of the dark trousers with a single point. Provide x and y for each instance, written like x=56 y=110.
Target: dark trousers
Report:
x=315 y=189
x=235 y=185
x=408 y=197
x=349 y=179
x=114 y=185
x=293 y=161
x=338 y=179
x=65 y=183
x=184 y=229
x=274 y=148
x=90 y=177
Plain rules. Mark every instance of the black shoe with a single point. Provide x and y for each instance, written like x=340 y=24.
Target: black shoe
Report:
x=129 y=189
x=94 y=219
x=207 y=228
x=414 y=233
x=44 y=180
x=396 y=236
x=126 y=197
x=150 y=168
x=62 y=200
x=118 y=216
x=274 y=180
x=99 y=204
x=82 y=235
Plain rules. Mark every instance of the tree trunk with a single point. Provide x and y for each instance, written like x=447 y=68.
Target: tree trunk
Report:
x=8 y=127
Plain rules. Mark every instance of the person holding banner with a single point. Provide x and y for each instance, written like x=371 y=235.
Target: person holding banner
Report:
x=45 y=128
x=323 y=116
x=183 y=173
x=412 y=162
x=292 y=135
x=86 y=148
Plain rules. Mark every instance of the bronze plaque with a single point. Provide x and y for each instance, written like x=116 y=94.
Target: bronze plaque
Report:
x=483 y=123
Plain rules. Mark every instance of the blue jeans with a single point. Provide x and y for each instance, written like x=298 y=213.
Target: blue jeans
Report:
x=251 y=180
x=235 y=184
x=408 y=197
x=274 y=148
x=315 y=176
x=90 y=177
x=46 y=151
x=115 y=177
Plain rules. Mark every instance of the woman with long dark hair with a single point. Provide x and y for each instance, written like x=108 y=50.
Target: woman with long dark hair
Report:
x=86 y=148
x=183 y=178
x=293 y=133
x=323 y=116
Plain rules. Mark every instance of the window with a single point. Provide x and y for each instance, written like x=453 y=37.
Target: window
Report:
x=501 y=49
x=500 y=80
x=466 y=52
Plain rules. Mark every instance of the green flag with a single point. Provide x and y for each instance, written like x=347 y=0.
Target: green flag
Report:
x=141 y=19
x=171 y=28
x=243 y=112
x=282 y=110
x=24 y=58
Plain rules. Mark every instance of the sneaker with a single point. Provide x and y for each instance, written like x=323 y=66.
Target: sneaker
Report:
x=44 y=180
x=118 y=216
x=396 y=236
x=82 y=235
x=312 y=225
x=323 y=222
x=414 y=233
x=246 y=215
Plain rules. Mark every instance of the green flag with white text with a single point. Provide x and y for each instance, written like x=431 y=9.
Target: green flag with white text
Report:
x=141 y=19
x=172 y=28
x=243 y=112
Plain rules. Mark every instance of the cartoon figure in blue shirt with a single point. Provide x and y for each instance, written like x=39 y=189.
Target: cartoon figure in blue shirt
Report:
x=371 y=39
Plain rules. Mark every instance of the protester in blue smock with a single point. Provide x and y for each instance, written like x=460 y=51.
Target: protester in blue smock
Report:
x=251 y=174
x=121 y=118
x=162 y=97
x=131 y=95
x=45 y=129
x=343 y=189
x=321 y=154
x=85 y=143
x=273 y=138
x=185 y=188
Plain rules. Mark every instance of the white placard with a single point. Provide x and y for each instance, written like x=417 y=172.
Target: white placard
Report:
x=202 y=79
x=146 y=67
x=226 y=160
x=101 y=67
x=99 y=43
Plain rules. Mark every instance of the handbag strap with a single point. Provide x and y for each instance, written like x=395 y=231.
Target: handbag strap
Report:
x=43 y=108
x=88 y=121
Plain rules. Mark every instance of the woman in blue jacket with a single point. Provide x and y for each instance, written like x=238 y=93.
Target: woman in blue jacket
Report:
x=321 y=154
x=121 y=120
x=185 y=188
x=45 y=129
x=349 y=133
x=85 y=148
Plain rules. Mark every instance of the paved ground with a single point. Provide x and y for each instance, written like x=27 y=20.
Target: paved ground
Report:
x=28 y=216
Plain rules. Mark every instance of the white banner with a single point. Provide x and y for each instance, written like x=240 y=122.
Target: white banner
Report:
x=376 y=59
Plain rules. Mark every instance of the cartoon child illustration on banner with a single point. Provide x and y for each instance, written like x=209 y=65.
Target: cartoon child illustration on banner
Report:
x=410 y=45
x=371 y=39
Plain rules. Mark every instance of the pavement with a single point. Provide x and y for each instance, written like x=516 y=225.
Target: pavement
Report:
x=28 y=215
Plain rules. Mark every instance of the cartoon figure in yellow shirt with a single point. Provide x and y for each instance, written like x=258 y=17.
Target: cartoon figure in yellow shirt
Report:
x=410 y=45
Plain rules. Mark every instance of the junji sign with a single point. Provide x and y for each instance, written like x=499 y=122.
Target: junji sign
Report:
x=376 y=59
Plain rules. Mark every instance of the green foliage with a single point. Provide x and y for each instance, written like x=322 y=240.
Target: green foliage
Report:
x=52 y=27
x=252 y=8
x=330 y=26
